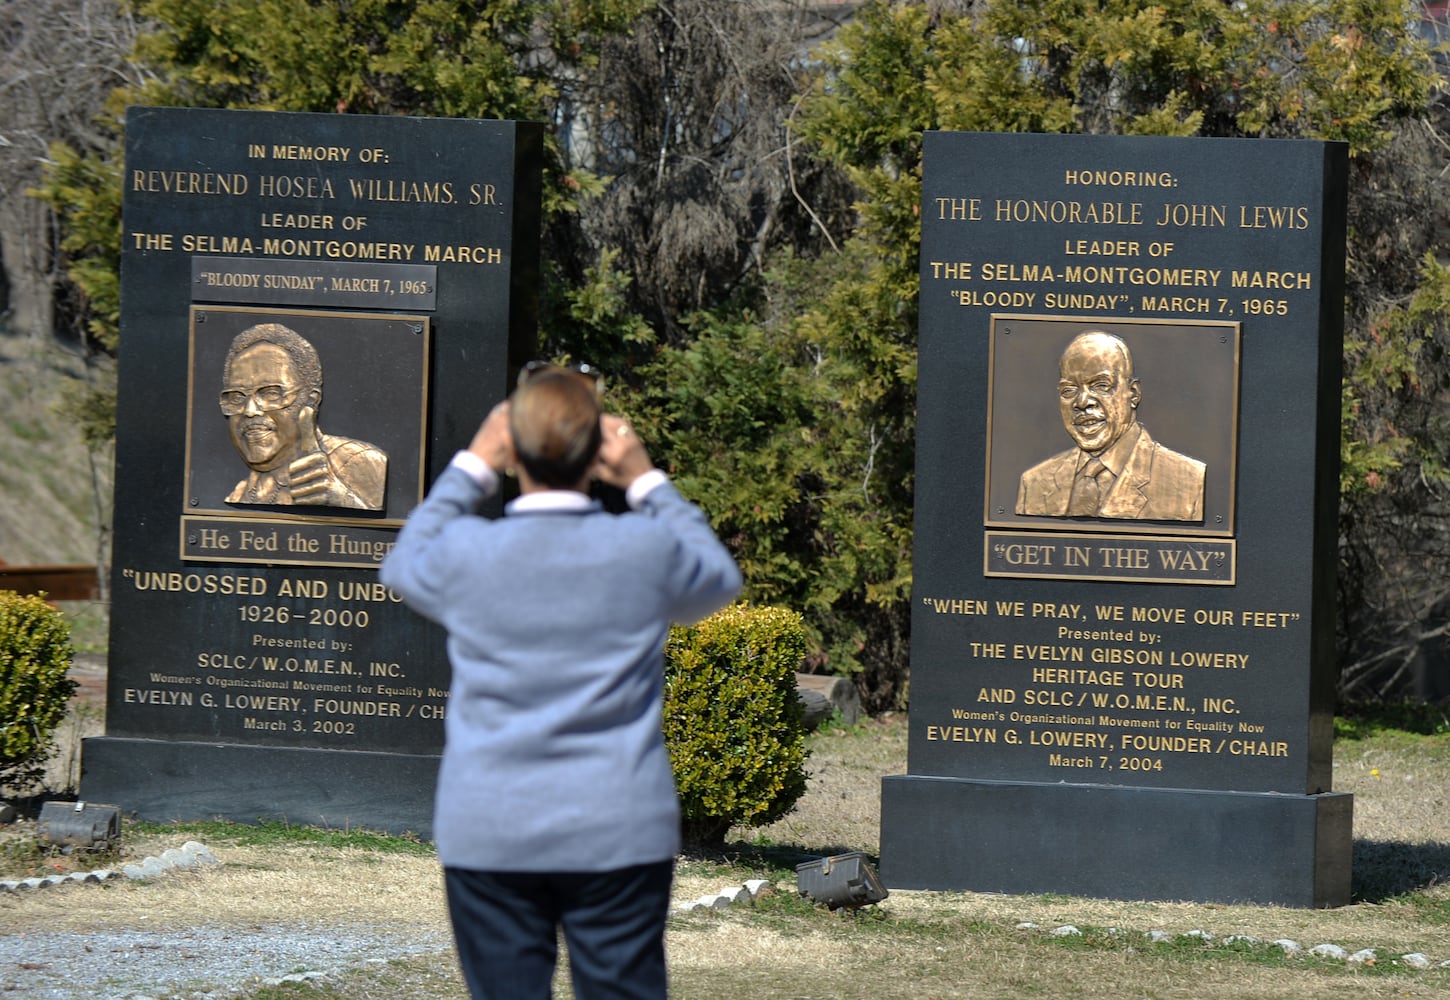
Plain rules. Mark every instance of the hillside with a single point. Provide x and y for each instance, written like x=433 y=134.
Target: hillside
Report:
x=47 y=503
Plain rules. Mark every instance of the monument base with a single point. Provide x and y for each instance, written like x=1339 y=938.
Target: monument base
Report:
x=1115 y=842
x=165 y=781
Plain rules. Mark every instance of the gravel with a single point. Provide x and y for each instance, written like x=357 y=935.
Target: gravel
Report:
x=195 y=963
x=191 y=963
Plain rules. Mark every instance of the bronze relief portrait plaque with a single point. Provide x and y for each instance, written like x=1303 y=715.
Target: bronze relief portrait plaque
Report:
x=306 y=414
x=271 y=392
x=1112 y=425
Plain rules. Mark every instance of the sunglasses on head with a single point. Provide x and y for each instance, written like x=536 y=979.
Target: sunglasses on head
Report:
x=535 y=368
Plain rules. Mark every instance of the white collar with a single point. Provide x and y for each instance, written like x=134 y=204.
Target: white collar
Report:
x=550 y=500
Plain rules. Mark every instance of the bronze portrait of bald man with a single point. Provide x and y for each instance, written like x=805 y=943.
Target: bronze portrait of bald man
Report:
x=1116 y=469
x=271 y=392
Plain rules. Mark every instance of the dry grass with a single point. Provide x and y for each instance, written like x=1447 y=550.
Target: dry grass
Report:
x=925 y=944
x=253 y=886
x=915 y=944
x=841 y=810
x=48 y=511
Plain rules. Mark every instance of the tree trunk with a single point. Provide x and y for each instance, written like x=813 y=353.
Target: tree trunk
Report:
x=29 y=308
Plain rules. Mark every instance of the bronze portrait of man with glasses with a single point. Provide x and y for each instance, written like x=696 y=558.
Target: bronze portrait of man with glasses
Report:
x=271 y=392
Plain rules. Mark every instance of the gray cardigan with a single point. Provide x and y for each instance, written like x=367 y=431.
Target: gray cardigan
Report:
x=556 y=625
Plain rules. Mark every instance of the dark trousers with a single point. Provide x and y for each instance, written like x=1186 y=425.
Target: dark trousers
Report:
x=505 y=925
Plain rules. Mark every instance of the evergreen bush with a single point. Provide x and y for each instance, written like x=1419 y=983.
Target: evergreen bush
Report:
x=35 y=654
x=733 y=720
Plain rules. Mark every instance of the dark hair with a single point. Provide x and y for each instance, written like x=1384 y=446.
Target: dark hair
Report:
x=554 y=420
x=299 y=351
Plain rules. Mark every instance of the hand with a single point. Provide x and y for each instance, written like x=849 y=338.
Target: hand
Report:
x=310 y=478
x=622 y=458
x=313 y=482
x=494 y=442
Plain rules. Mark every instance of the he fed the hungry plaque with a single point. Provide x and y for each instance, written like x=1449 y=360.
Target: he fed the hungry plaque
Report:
x=315 y=307
x=305 y=415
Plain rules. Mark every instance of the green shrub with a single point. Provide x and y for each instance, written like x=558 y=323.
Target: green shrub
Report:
x=35 y=653
x=733 y=719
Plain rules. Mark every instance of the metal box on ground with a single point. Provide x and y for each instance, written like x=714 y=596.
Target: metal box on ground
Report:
x=79 y=824
x=840 y=880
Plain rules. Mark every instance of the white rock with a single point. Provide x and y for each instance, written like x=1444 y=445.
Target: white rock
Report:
x=1365 y=956
x=1328 y=951
x=1202 y=935
x=1027 y=925
x=1066 y=930
x=1289 y=947
x=1415 y=960
x=737 y=894
x=1240 y=939
x=201 y=853
x=1158 y=937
